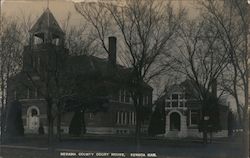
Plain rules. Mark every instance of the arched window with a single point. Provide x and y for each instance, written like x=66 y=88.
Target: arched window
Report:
x=34 y=112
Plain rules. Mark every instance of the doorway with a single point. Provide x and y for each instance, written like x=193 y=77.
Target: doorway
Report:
x=175 y=122
x=33 y=118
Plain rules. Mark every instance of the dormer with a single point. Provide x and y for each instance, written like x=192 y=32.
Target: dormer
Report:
x=46 y=31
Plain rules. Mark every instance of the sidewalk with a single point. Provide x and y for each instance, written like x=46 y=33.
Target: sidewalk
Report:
x=185 y=148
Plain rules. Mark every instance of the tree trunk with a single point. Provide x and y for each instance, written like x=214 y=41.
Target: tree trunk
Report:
x=138 y=126
x=83 y=123
x=139 y=118
x=205 y=137
x=2 y=102
x=245 y=136
x=59 y=125
x=204 y=122
x=50 y=122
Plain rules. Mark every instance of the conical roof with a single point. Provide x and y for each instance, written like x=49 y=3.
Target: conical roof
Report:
x=45 y=23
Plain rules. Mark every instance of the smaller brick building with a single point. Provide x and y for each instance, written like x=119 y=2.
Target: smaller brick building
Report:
x=183 y=112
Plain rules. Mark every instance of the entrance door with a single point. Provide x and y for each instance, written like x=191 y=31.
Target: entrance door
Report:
x=175 y=122
x=33 y=119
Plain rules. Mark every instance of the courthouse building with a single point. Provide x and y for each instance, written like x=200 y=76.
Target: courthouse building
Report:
x=45 y=50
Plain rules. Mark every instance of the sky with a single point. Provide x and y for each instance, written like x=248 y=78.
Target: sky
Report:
x=61 y=9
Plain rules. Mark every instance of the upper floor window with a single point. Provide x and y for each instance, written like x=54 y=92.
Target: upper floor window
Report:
x=56 y=41
x=15 y=95
x=125 y=96
x=38 y=40
x=38 y=64
x=28 y=93
x=176 y=100
x=145 y=100
x=33 y=93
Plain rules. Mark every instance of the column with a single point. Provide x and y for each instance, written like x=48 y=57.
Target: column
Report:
x=183 y=126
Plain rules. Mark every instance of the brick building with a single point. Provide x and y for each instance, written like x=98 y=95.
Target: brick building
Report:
x=46 y=54
x=183 y=112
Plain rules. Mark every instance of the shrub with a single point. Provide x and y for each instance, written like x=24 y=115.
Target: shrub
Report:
x=75 y=127
x=14 y=120
x=157 y=122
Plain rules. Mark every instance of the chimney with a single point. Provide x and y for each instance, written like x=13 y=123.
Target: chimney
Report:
x=112 y=50
x=214 y=88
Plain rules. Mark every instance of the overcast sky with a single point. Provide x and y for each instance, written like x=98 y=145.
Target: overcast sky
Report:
x=61 y=8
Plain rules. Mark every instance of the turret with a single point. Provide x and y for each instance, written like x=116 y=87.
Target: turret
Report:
x=46 y=31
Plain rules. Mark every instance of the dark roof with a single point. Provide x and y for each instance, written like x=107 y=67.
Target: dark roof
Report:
x=86 y=64
x=47 y=22
x=187 y=87
x=190 y=88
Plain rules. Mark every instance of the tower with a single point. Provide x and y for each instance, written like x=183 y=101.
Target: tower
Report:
x=43 y=59
x=46 y=30
x=46 y=46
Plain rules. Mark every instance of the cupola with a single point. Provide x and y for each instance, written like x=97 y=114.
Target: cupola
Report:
x=46 y=30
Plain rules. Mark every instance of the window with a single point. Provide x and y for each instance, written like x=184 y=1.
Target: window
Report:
x=122 y=96
x=168 y=104
x=38 y=40
x=38 y=64
x=130 y=117
x=31 y=93
x=175 y=103
x=36 y=93
x=28 y=93
x=90 y=116
x=147 y=100
x=15 y=95
x=175 y=96
x=176 y=100
x=34 y=62
x=34 y=112
x=181 y=104
x=125 y=118
x=194 y=117
x=120 y=117
x=125 y=96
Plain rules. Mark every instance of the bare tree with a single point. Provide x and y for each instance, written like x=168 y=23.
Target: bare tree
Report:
x=145 y=28
x=79 y=39
x=10 y=58
x=202 y=59
x=231 y=18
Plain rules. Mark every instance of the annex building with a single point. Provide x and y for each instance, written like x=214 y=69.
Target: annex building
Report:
x=183 y=111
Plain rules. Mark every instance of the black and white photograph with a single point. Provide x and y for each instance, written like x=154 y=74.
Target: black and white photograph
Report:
x=124 y=78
